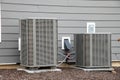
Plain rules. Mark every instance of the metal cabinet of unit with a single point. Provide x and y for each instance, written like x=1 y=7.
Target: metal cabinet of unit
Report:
x=38 y=42
x=93 y=50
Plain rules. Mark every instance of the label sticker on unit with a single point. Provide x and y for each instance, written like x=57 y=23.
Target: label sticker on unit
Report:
x=90 y=27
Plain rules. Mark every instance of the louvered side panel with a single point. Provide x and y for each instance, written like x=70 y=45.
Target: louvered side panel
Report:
x=40 y=47
x=100 y=50
x=107 y=50
x=30 y=42
x=78 y=41
x=23 y=55
x=45 y=41
x=39 y=42
x=86 y=46
x=94 y=50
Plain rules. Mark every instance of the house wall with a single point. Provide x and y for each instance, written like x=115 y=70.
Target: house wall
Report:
x=72 y=17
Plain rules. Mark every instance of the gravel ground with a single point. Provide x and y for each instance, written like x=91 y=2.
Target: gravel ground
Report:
x=65 y=74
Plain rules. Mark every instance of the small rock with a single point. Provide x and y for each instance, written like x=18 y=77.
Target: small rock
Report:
x=114 y=72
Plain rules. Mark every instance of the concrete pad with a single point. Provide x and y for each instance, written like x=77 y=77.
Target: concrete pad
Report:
x=95 y=69
x=38 y=71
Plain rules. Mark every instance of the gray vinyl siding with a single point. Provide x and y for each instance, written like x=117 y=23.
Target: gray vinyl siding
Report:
x=72 y=17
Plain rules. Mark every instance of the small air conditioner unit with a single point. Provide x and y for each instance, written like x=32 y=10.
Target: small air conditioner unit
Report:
x=93 y=50
x=38 y=42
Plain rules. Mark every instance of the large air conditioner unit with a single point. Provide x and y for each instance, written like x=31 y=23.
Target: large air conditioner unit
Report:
x=93 y=50
x=38 y=42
